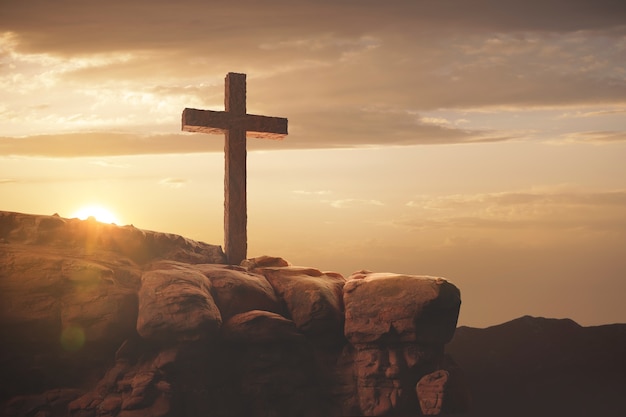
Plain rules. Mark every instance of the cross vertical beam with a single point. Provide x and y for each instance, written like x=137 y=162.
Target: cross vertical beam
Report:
x=235 y=154
x=236 y=124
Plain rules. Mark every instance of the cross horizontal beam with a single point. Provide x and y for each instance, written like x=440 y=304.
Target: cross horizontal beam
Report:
x=209 y=121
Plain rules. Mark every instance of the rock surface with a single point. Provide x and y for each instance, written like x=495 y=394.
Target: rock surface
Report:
x=430 y=392
x=398 y=325
x=313 y=299
x=103 y=320
x=405 y=308
x=176 y=304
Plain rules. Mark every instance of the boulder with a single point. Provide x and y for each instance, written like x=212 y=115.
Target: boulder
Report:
x=403 y=308
x=236 y=290
x=259 y=327
x=398 y=325
x=430 y=391
x=264 y=261
x=313 y=298
x=176 y=305
x=272 y=366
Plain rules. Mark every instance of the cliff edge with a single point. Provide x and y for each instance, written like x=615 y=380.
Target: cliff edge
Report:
x=105 y=320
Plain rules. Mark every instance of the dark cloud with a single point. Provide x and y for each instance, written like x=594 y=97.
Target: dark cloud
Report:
x=346 y=73
x=321 y=130
x=379 y=127
x=161 y=24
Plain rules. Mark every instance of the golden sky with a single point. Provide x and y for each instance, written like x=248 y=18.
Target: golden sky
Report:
x=483 y=141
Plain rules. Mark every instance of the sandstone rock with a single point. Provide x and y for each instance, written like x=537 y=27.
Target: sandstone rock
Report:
x=55 y=292
x=176 y=305
x=236 y=290
x=264 y=261
x=140 y=387
x=165 y=360
x=95 y=305
x=45 y=404
x=89 y=237
x=389 y=322
x=26 y=298
x=143 y=391
x=140 y=324
x=273 y=367
x=385 y=376
x=398 y=307
x=161 y=407
x=110 y=406
x=59 y=312
x=259 y=327
x=313 y=298
x=430 y=391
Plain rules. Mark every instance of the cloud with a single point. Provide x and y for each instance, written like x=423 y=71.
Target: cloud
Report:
x=330 y=130
x=109 y=164
x=598 y=137
x=351 y=202
x=317 y=192
x=595 y=113
x=346 y=74
x=144 y=24
x=173 y=182
x=508 y=199
x=540 y=210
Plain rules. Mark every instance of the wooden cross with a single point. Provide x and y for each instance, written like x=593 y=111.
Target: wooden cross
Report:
x=236 y=124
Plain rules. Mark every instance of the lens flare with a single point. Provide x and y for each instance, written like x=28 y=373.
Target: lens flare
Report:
x=72 y=338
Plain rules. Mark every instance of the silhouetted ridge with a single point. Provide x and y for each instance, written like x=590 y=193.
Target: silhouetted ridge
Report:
x=535 y=366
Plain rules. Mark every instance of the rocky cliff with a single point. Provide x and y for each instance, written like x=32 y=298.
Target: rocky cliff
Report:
x=102 y=320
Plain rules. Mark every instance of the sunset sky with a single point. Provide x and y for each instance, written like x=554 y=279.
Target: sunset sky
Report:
x=482 y=141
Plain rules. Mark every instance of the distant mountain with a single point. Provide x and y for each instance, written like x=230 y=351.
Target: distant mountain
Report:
x=534 y=367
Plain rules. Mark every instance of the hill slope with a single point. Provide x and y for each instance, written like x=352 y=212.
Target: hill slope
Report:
x=535 y=366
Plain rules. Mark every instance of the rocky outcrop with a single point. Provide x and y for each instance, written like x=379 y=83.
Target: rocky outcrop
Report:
x=102 y=320
x=398 y=325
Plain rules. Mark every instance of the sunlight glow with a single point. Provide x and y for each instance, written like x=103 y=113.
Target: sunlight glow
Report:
x=100 y=213
x=72 y=338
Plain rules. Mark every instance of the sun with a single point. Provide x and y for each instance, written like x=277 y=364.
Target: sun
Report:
x=100 y=213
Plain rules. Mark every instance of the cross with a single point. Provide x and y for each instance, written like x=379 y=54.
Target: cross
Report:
x=236 y=124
